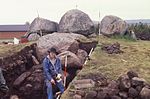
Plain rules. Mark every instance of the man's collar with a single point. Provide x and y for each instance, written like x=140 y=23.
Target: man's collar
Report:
x=50 y=58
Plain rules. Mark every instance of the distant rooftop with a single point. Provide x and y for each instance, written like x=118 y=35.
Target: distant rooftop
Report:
x=14 y=28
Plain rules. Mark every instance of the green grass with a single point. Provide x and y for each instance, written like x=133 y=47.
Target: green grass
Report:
x=136 y=57
x=123 y=37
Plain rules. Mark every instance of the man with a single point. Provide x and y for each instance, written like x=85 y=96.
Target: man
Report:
x=53 y=72
x=3 y=86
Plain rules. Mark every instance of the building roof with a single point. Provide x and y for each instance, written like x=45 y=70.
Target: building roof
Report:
x=14 y=28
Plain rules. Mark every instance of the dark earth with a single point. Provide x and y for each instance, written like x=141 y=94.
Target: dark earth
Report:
x=25 y=78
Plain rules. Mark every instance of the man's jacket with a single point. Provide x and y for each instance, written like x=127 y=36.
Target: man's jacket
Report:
x=50 y=70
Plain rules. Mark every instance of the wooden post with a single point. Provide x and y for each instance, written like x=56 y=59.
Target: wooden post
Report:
x=65 y=77
x=99 y=28
x=41 y=34
x=88 y=56
x=99 y=22
x=65 y=73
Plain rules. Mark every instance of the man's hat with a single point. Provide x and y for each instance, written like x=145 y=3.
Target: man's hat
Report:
x=52 y=50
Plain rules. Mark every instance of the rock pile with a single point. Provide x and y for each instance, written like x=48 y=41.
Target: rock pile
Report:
x=112 y=48
x=128 y=86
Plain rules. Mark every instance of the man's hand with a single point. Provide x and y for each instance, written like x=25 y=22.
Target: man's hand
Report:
x=52 y=81
x=59 y=76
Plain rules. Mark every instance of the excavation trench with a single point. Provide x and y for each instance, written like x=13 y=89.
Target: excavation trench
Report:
x=25 y=78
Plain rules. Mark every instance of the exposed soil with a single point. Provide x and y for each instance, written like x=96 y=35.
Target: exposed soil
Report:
x=25 y=78
x=143 y=36
x=112 y=48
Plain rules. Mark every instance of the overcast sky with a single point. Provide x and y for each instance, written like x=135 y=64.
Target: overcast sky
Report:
x=20 y=11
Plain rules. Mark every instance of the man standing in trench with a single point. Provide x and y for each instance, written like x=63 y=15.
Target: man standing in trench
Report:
x=53 y=72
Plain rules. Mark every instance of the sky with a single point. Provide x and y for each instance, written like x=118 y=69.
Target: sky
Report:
x=21 y=11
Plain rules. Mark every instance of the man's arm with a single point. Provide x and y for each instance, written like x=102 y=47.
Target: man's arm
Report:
x=46 y=70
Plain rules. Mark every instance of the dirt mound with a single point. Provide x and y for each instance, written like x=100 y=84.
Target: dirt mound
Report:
x=143 y=36
x=112 y=48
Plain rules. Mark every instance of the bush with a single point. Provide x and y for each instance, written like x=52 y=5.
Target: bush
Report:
x=124 y=37
x=142 y=31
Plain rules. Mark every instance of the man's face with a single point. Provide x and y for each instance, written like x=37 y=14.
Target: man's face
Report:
x=52 y=55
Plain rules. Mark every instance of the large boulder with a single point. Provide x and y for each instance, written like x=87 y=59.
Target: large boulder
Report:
x=76 y=21
x=137 y=81
x=131 y=74
x=33 y=86
x=91 y=95
x=14 y=97
x=82 y=55
x=145 y=93
x=61 y=41
x=112 y=25
x=44 y=25
x=21 y=78
x=72 y=60
x=124 y=82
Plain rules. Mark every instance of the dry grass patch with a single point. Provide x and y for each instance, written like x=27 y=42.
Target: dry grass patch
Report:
x=136 y=57
x=7 y=50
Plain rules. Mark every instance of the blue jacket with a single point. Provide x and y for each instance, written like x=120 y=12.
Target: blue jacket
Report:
x=51 y=71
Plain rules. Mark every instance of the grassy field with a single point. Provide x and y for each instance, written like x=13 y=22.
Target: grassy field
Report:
x=6 y=50
x=136 y=57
